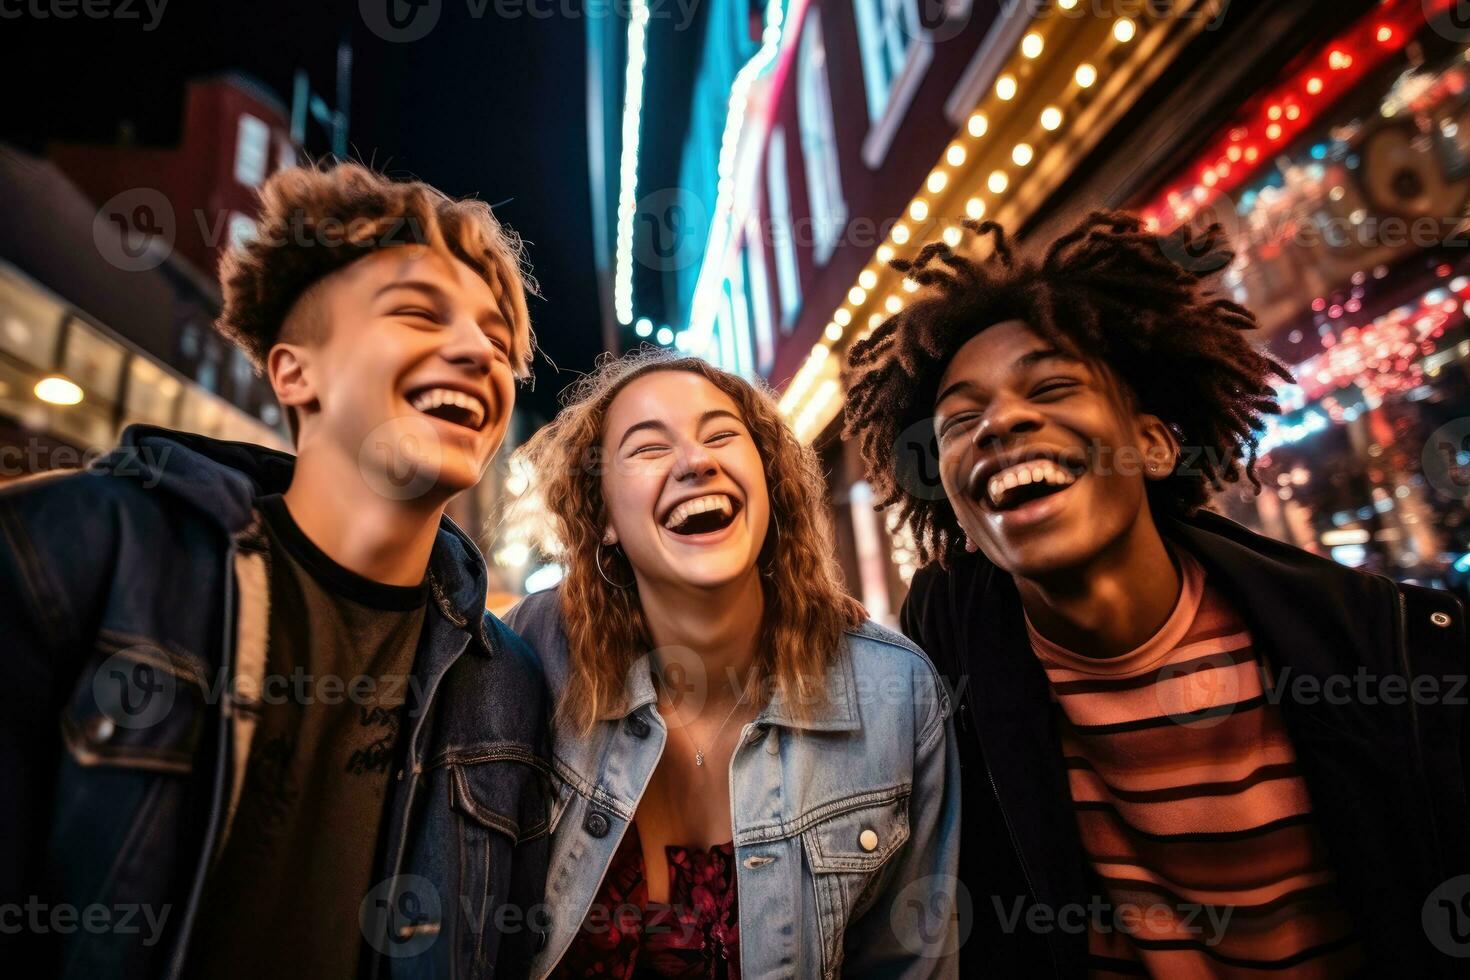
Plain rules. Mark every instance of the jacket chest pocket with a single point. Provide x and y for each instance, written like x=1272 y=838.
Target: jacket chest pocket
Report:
x=846 y=853
x=130 y=731
x=138 y=707
x=502 y=808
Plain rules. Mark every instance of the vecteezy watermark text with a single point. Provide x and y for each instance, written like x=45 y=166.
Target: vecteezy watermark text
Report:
x=89 y=9
x=126 y=918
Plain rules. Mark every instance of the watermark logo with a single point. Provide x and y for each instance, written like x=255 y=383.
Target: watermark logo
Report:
x=916 y=451
x=933 y=21
x=683 y=682
x=1189 y=248
x=932 y=916
x=671 y=224
x=1452 y=23
x=1198 y=693
x=402 y=458
x=1446 y=917
x=1446 y=459
x=135 y=230
x=400 y=21
x=401 y=916
x=132 y=688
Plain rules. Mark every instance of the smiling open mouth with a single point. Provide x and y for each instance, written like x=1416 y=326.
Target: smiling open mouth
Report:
x=1028 y=481
x=703 y=515
x=451 y=405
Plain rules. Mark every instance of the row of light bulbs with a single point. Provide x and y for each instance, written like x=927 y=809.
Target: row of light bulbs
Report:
x=1006 y=88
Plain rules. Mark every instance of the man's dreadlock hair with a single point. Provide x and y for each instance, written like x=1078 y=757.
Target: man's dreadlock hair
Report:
x=1110 y=290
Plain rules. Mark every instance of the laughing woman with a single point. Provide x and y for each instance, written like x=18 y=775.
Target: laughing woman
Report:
x=752 y=780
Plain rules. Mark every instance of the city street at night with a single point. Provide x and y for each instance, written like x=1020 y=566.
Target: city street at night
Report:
x=703 y=488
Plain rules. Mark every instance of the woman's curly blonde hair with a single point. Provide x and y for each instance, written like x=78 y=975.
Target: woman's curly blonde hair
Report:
x=806 y=608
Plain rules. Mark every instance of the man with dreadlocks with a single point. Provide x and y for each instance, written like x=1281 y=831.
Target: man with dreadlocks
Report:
x=1187 y=750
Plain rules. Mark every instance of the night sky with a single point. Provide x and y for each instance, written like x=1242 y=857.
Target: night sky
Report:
x=492 y=105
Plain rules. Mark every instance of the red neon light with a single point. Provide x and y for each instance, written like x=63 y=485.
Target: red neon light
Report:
x=1276 y=116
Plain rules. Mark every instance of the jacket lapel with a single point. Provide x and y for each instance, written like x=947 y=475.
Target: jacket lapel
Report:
x=1013 y=715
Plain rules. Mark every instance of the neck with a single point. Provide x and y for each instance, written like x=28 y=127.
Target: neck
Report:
x=1113 y=604
x=384 y=540
x=721 y=625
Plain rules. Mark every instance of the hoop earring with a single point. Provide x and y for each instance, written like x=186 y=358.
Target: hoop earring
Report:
x=603 y=572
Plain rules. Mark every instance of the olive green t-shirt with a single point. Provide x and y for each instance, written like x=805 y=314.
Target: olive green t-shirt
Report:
x=284 y=897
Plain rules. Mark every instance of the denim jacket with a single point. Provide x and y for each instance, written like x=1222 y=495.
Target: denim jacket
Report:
x=151 y=570
x=846 y=821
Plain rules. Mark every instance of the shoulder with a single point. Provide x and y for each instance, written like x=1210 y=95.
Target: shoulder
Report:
x=1435 y=629
x=519 y=654
x=537 y=622
x=886 y=661
x=49 y=514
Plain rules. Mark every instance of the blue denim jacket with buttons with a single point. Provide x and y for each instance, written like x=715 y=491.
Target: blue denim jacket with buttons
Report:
x=846 y=821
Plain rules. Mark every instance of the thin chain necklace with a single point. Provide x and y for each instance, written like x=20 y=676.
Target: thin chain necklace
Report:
x=699 y=749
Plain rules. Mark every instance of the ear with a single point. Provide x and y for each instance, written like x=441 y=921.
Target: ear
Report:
x=609 y=536
x=289 y=370
x=1159 y=447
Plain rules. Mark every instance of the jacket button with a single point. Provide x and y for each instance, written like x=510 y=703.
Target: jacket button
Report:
x=102 y=728
x=1439 y=618
x=596 y=824
x=637 y=727
x=868 y=839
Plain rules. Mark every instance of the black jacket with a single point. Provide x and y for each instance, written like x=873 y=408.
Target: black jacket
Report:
x=1387 y=780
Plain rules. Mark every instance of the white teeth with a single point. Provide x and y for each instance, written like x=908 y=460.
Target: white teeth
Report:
x=686 y=510
x=1022 y=474
x=434 y=397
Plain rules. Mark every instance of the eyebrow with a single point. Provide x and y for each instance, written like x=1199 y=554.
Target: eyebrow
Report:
x=439 y=296
x=658 y=425
x=1025 y=362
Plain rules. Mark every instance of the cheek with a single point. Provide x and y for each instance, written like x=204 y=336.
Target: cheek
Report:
x=630 y=496
x=954 y=462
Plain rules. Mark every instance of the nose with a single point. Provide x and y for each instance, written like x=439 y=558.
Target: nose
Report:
x=467 y=347
x=1005 y=418
x=694 y=463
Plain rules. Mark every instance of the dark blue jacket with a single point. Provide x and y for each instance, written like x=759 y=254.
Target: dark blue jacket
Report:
x=133 y=612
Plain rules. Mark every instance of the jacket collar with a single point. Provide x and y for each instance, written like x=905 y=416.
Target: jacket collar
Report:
x=221 y=480
x=836 y=712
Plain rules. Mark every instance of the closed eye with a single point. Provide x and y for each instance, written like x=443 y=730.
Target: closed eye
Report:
x=1055 y=387
x=417 y=312
x=720 y=438
x=955 y=423
x=651 y=447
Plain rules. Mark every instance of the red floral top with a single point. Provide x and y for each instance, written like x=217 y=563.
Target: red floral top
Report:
x=696 y=936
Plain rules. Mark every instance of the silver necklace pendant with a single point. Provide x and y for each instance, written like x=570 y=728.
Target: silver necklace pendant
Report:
x=698 y=757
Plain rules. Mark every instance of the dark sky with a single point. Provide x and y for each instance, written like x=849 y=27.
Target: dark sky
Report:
x=490 y=105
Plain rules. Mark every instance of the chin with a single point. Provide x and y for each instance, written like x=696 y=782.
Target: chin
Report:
x=711 y=573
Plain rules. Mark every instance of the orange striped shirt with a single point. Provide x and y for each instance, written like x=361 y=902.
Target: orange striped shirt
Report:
x=1191 y=809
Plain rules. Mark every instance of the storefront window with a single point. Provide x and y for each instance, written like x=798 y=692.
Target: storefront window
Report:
x=1348 y=219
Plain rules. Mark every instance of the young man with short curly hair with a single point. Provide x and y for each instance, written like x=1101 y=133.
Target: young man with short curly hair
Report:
x=1160 y=773
x=288 y=729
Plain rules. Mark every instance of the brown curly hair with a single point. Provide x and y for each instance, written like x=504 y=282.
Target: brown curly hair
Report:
x=316 y=220
x=806 y=608
x=1137 y=303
